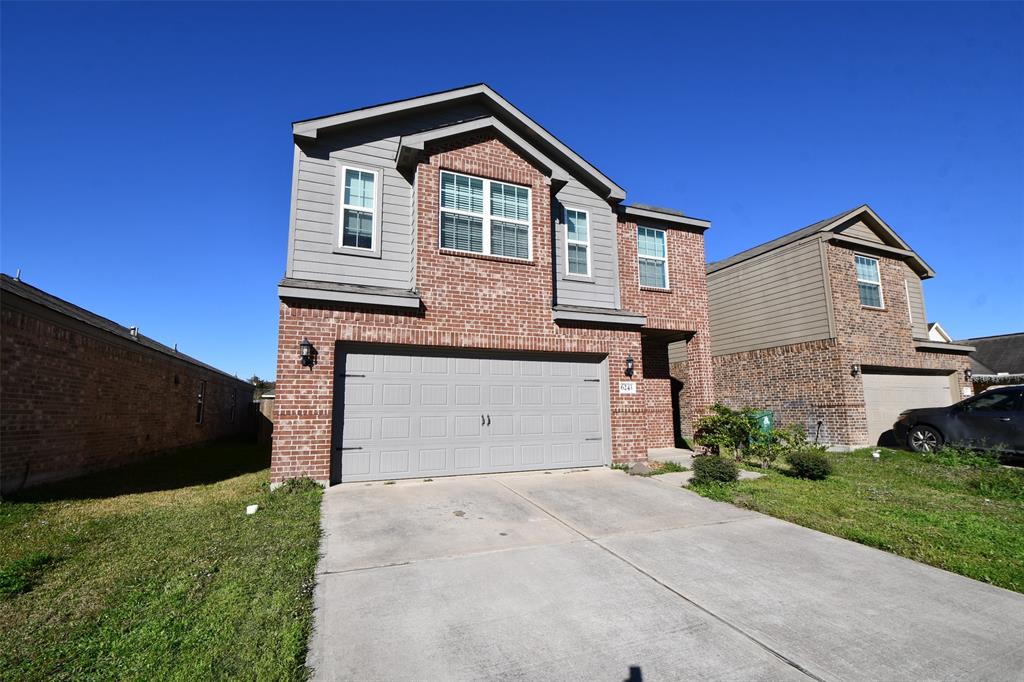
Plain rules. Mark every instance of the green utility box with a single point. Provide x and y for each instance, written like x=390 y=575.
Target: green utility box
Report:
x=765 y=420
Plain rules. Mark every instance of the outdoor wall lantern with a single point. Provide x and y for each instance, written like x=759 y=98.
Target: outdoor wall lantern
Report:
x=854 y=370
x=968 y=373
x=308 y=353
x=629 y=365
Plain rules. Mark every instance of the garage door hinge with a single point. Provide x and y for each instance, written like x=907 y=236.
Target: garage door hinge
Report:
x=355 y=375
x=594 y=380
x=598 y=438
x=356 y=447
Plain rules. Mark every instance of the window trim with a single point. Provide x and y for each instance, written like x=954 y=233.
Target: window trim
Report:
x=565 y=231
x=201 y=402
x=376 y=212
x=878 y=269
x=663 y=259
x=487 y=217
x=910 y=308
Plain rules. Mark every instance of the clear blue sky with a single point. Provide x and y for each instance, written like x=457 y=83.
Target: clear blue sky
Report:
x=146 y=148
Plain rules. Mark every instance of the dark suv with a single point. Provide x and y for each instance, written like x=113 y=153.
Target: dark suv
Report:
x=992 y=419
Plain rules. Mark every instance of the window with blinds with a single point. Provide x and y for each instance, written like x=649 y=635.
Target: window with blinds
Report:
x=653 y=257
x=484 y=216
x=358 y=208
x=869 y=283
x=577 y=242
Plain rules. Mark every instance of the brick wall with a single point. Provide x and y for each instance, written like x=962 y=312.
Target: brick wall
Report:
x=809 y=382
x=76 y=399
x=485 y=302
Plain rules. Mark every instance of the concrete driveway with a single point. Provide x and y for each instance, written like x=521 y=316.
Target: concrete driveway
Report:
x=595 y=575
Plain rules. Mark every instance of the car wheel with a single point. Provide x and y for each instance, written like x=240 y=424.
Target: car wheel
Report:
x=924 y=439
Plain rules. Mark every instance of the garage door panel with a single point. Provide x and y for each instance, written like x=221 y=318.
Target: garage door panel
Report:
x=886 y=395
x=408 y=415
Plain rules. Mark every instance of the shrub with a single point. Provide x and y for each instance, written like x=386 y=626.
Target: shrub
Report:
x=714 y=468
x=726 y=430
x=809 y=462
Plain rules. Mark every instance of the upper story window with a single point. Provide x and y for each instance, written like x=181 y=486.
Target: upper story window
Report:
x=869 y=282
x=577 y=242
x=485 y=216
x=653 y=257
x=358 y=208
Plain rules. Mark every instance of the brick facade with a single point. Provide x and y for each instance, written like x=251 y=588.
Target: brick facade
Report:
x=813 y=381
x=77 y=399
x=483 y=302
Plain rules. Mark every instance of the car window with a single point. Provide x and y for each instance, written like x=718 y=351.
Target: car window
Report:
x=993 y=402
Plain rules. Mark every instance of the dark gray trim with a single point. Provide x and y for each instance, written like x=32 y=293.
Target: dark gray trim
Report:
x=943 y=347
x=641 y=212
x=310 y=128
x=578 y=313
x=347 y=293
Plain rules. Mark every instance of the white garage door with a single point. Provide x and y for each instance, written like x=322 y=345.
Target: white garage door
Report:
x=413 y=414
x=886 y=395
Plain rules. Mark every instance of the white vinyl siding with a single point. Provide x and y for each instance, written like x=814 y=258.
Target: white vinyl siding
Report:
x=358 y=208
x=577 y=240
x=869 y=283
x=485 y=216
x=653 y=257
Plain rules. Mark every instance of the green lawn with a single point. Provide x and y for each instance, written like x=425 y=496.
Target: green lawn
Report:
x=965 y=520
x=156 y=572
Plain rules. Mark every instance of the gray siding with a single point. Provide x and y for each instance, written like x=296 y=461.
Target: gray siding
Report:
x=774 y=299
x=314 y=233
x=915 y=299
x=676 y=352
x=600 y=290
x=861 y=231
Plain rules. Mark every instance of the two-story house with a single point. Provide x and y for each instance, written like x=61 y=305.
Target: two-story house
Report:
x=471 y=295
x=826 y=327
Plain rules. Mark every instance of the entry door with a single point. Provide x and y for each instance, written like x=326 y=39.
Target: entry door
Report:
x=417 y=414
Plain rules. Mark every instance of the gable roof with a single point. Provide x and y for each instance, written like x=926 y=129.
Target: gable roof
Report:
x=995 y=354
x=15 y=287
x=893 y=243
x=508 y=114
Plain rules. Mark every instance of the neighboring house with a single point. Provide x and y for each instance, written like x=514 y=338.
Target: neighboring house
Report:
x=938 y=334
x=826 y=327
x=477 y=298
x=81 y=393
x=997 y=360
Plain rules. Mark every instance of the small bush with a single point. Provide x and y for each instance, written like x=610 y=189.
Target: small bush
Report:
x=810 y=463
x=714 y=468
x=766 y=447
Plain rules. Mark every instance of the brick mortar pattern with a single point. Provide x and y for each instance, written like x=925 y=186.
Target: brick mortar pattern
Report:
x=467 y=303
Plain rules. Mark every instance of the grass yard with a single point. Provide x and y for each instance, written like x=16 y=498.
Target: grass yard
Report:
x=966 y=520
x=155 y=572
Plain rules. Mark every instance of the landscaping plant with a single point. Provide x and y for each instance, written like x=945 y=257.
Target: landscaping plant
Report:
x=726 y=431
x=714 y=469
x=767 y=446
x=809 y=462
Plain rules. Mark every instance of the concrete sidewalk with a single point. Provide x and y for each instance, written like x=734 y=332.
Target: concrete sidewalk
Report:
x=595 y=575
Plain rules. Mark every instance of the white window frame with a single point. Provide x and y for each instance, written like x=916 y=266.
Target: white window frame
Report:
x=663 y=259
x=373 y=211
x=878 y=269
x=528 y=223
x=565 y=230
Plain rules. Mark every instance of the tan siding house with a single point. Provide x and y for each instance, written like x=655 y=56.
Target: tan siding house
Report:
x=826 y=326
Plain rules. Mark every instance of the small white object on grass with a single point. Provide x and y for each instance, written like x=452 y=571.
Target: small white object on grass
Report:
x=876 y=455
x=251 y=509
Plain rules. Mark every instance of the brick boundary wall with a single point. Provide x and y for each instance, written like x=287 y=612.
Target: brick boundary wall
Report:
x=76 y=399
x=495 y=304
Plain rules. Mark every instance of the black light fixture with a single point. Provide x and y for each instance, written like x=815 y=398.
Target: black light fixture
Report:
x=854 y=370
x=308 y=353
x=629 y=365
x=968 y=373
